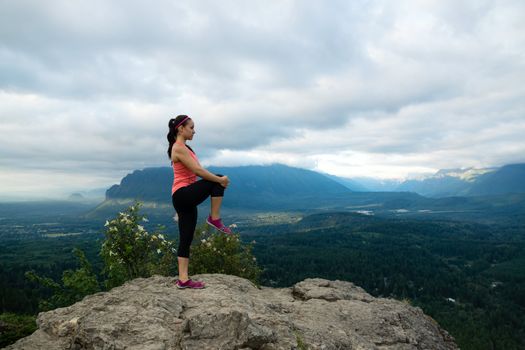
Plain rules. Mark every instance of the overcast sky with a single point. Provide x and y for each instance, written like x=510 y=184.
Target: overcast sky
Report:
x=385 y=89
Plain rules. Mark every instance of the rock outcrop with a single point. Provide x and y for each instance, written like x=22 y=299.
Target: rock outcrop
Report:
x=232 y=313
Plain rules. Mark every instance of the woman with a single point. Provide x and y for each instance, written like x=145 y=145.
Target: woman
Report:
x=187 y=192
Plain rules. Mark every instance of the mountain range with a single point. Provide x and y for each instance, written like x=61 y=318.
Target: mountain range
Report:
x=251 y=186
x=277 y=180
x=453 y=194
x=453 y=182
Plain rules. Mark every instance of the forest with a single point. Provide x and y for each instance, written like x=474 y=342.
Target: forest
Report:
x=469 y=277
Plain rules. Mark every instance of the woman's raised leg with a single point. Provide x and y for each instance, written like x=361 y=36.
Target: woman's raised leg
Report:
x=216 y=207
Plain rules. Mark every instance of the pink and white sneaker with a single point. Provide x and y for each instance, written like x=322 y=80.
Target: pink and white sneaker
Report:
x=190 y=284
x=217 y=224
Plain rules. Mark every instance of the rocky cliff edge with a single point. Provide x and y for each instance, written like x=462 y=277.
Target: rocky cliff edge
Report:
x=232 y=313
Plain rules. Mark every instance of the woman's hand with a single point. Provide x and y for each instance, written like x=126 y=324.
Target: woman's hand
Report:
x=224 y=182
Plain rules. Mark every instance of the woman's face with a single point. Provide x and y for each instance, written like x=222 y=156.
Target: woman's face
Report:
x=188 y=130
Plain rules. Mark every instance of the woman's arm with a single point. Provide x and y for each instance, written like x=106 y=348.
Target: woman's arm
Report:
x=183 y=155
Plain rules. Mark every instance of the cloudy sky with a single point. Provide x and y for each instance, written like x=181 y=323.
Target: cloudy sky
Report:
x=385 y=89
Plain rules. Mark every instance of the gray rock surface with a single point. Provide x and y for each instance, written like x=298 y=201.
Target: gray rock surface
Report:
x=232 y=313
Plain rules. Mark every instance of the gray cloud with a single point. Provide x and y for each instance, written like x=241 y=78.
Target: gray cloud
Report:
x=355 y=88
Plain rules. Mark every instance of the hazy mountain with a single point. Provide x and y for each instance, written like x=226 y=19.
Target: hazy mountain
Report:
x=507 y=179
x=376 y=185
x=76 y=197
x=92 y=197
x=469 y=182
x=450 y=182
x=348 y=183
x=442 y=186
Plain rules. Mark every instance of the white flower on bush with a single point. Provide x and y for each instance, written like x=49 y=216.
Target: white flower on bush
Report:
x=153 y=237
x=161 y=236
x=158 y=251
x=106 y=224
x=145 y=220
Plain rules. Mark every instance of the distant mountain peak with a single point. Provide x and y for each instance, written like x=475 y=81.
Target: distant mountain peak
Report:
x=470 y=182
x=469 y=174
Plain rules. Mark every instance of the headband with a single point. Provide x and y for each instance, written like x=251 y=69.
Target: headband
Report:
x=183 y=120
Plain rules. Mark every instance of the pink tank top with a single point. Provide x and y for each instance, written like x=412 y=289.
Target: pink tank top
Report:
x=182 y=176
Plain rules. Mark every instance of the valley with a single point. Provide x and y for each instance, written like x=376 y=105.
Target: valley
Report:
x=461 y=259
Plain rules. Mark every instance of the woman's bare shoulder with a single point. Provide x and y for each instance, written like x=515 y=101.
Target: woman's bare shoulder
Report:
x=178 y=149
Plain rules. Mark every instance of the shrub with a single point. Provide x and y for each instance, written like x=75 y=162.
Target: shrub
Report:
x=215 y=252
x=14 y=327
x=129 y=251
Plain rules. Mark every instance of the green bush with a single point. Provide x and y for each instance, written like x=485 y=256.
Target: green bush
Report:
x=214 y=252
x=14 y=327
x=129 y=251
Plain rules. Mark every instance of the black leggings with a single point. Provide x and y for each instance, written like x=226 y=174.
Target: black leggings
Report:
x=185 y=201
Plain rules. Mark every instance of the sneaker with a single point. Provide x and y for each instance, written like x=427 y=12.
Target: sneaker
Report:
x=218 y=225
x=189 y=284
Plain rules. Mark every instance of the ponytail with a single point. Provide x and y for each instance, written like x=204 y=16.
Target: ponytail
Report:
x=174 y=123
